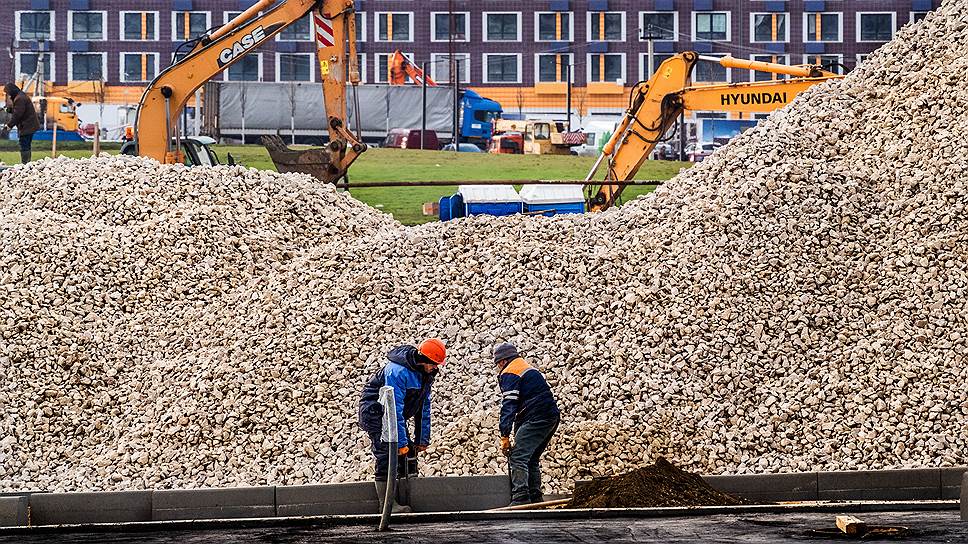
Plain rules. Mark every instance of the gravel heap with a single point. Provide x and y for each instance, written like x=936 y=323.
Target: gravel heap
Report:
x=795 y=302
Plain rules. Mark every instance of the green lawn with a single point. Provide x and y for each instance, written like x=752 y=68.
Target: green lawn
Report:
x=412 y=165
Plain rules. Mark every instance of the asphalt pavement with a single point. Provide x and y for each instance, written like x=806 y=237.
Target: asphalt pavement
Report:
x=925 y=527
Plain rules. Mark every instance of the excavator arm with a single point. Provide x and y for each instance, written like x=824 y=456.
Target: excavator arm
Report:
x=333 y=24
x=401 y=68
x=656 y=104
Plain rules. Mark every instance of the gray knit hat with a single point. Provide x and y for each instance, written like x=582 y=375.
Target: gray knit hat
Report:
x=504 y=351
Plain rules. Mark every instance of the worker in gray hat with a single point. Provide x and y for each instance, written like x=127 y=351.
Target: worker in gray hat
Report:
x=529 y=408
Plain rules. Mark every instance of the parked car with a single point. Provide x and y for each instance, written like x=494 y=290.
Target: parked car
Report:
x=402 y=138
x=698 y=152
x=464 y=148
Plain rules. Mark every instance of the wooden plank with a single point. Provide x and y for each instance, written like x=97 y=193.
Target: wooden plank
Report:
x=851 y=525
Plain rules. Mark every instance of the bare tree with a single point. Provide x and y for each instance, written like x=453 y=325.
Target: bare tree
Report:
x=520 y=100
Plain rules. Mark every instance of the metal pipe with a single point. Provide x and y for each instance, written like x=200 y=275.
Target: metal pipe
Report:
x=760 y=66
x=240 y=19
x=391 y=487
x=453 y=183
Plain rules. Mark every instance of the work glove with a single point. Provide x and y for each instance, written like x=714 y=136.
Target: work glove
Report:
x=506 y=444
x=422 y=448
x=404 y=450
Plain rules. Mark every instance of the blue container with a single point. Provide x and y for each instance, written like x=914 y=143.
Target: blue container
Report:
x=553 y=199
x=556 y=208
x=444 y=205
x=457 y=206
x=493 y=208
x=490 y=200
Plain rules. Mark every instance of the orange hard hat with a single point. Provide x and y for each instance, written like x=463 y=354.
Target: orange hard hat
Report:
x=433 y=349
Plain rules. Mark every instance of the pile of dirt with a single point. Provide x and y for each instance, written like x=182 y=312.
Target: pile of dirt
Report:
x=661 y=484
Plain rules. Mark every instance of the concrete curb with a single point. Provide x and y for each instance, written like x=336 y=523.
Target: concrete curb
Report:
x=456 y=517
x=13 y=511
x=237 y=502
x=473 y=493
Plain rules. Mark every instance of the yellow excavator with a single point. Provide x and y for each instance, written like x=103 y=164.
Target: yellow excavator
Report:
x=156 y=127
x=656 y=104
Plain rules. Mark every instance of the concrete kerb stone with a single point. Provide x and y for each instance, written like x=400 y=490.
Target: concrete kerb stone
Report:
x=459 y=493
x=13 y=511
x=964 y=497
x=802 y=486
x=903 y=484
x=90 y=507
x=951 y=482
x=326 y=499
x=230 y=503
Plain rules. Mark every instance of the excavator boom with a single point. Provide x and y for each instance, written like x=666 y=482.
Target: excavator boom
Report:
x=656 y=104
x=165 y=97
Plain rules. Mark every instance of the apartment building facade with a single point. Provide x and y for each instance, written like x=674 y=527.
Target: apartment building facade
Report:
x=513 y=51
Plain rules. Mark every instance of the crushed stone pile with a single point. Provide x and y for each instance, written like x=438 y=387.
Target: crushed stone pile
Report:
x=795 y=302
x=661 y=484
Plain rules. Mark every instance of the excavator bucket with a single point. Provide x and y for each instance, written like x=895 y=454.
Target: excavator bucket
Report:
x=315 y=161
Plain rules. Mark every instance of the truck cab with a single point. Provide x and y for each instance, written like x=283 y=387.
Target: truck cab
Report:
x=60 y=111
x=479 y=116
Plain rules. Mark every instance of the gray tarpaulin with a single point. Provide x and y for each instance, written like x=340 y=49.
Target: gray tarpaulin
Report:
x=268 y=106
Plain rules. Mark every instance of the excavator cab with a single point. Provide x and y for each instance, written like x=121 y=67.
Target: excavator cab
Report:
x=195 y=149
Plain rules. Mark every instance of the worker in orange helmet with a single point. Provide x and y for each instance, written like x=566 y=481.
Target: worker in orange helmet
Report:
x=410 y=371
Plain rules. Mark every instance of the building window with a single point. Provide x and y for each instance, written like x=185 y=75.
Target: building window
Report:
x=440 y=30
x=440 y=67
x=86 y=25
x=862 y=57
x=300 y=31
x=361 y=66
x=86 y=66
x=645 y=70
x=139 y=25
x=383 y=66
x=822 y=27
x=138 y=67
x=830 y=63
x=35 y=25
x=248 y=68
x=27 y=65
x=606 y=26
x=360 y=18
x=770 y=27
x=294 y=66
x=710 y=72
x=768 y=76
x=875 y=27
x=918 y=15
x=501 y=68
x=552 y=67
x=557 y=26
x=710 y=26
x=606 y=68
x=502 y=27
x=188 y=25
x=394 y=27
x=661 y=25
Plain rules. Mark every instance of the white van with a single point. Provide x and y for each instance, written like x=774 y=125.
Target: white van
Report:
x=598 y=132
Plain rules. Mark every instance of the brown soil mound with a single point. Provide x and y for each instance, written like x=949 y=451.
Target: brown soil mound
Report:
x=661 y=484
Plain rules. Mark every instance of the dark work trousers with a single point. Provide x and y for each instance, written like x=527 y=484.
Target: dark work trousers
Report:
x=25 y=142
x=381 y=459
x=530 y=441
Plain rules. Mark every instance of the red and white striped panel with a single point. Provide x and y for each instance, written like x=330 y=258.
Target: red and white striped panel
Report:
x=324 y=31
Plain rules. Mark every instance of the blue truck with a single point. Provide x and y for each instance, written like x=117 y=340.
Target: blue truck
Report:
x=479 y=113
